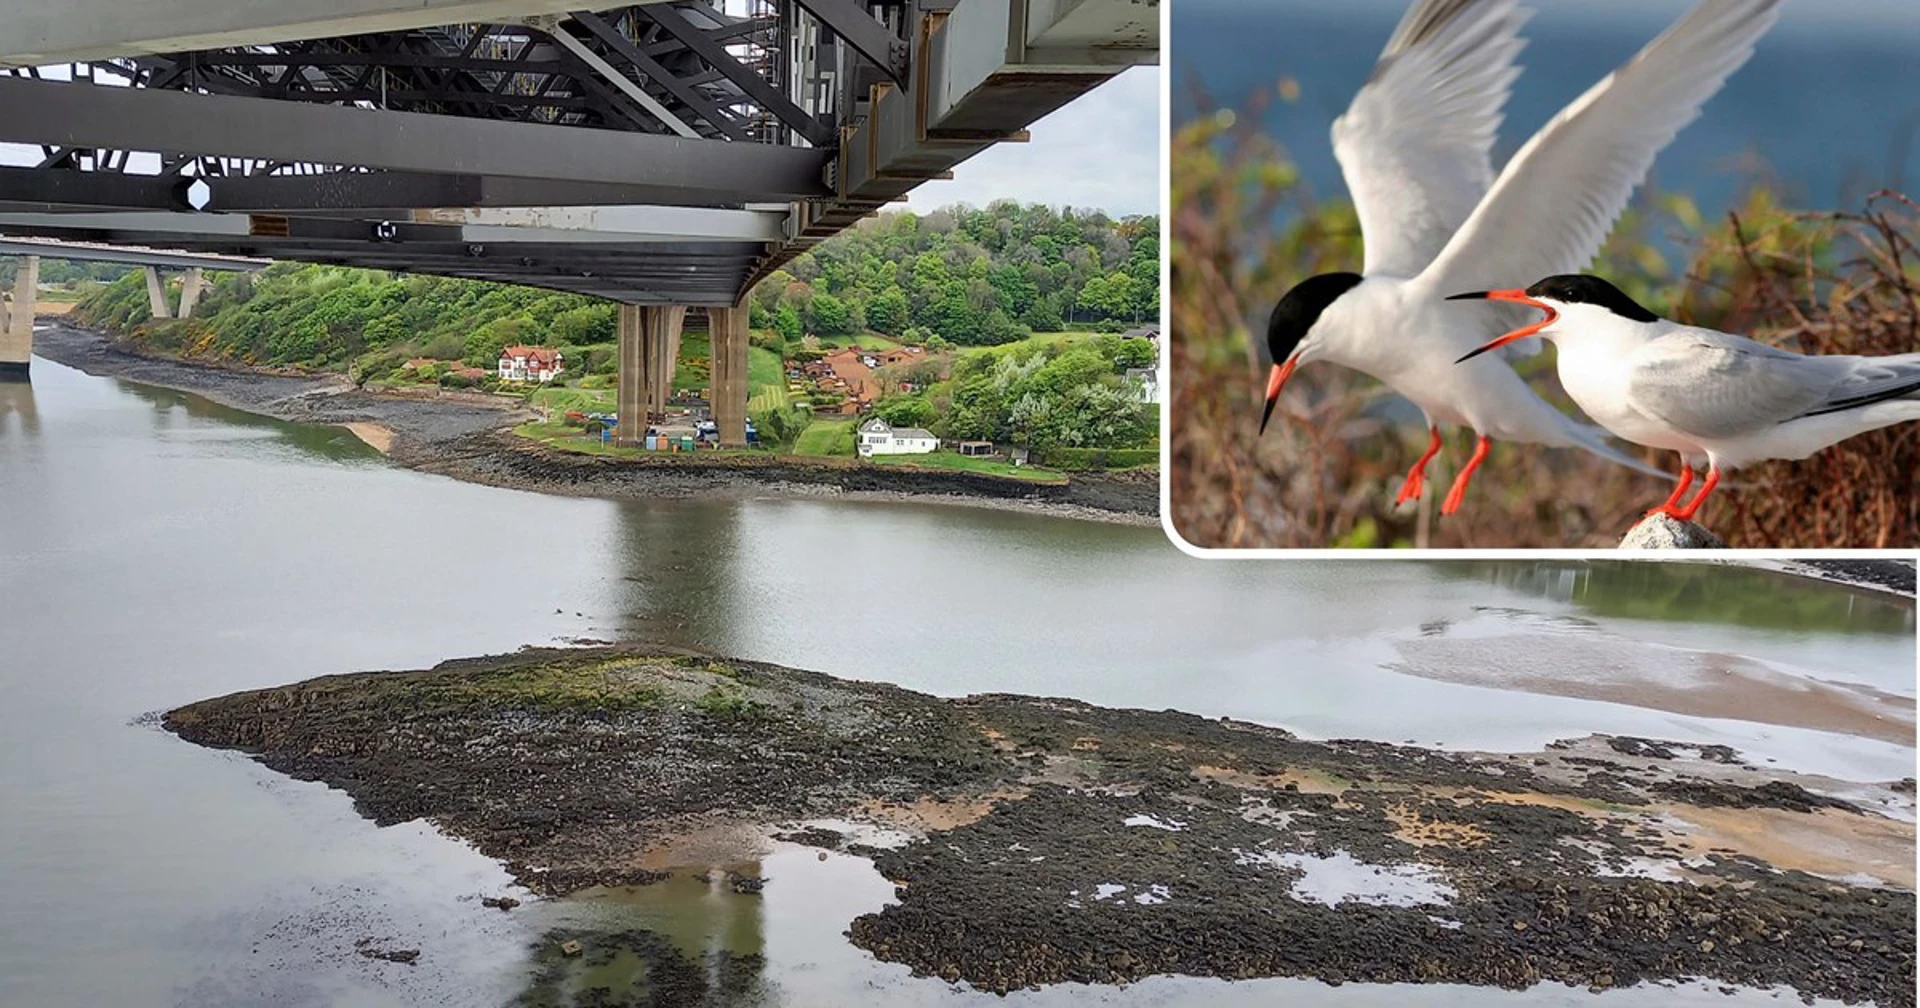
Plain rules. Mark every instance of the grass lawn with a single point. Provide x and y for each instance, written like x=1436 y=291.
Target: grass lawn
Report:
x=765 y=371
x=561 y=400
x=1025 y=347
x=969 y=463
x=572 y=439
x=825 y=437
x=865 y=341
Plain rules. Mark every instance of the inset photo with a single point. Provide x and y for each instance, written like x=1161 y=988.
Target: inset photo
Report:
x=1456 y=274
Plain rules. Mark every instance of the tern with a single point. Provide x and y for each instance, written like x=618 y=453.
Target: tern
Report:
x=1414 y=149
x=1701 y=392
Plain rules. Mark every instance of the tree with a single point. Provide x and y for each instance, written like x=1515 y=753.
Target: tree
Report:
x=905 y=410
x=787 y=322
x=1128 y=353
x=584 y=324
x=888 y=312
x=1044 y=314
x=831 y=316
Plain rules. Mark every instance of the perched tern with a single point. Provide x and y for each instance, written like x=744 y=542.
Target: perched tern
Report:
x=1701 y=392
x=1414 y=149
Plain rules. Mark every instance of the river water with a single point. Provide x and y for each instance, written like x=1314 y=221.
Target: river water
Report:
x=157 y=549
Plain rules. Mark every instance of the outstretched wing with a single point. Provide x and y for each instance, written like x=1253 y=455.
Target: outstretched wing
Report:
x=1415 y=144
x=1556 y=200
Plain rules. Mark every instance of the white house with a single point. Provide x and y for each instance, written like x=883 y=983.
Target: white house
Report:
x=530 y=364
x=1145 y=383
x=877 y=437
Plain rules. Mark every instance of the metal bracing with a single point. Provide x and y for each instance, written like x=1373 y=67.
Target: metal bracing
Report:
x=685 y=91
x=853 y=22
x=139 y=119
x=647 y=152
x=677 y=22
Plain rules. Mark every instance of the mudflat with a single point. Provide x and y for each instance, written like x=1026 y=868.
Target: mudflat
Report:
x=1034 y=841
x=468 y=436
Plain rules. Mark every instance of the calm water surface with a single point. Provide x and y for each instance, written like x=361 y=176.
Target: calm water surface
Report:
x=157 y=549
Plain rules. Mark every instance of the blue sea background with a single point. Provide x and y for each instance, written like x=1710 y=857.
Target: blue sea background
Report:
x=1828 y=108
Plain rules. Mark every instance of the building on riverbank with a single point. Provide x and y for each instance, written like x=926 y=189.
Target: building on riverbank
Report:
x=877 y=437
x=530 y=364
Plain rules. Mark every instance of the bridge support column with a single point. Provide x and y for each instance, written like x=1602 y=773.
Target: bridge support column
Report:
x=662 y=326
x=16 y=341
x=157 y=294
x=727 y=328
x=191 y=284
x=630 y=397
x=649 y=335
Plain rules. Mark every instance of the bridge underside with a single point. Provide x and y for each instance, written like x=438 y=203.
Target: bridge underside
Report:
x=662 y=155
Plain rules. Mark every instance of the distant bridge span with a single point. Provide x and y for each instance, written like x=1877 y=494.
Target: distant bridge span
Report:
x=16 y=315
x=664 y=155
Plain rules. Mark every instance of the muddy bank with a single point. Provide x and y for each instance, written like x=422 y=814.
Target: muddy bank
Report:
x=469 y=437
x=1896 y=576
x=1040 y=841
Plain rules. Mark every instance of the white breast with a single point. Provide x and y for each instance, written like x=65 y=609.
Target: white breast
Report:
x=1592 y=367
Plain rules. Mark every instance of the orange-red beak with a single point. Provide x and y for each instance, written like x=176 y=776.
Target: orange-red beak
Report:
x=1518 y=297
x=1275 y=381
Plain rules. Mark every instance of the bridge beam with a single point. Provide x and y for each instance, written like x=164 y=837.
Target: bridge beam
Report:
x=16 y=342
x=69 y=114
x=727 y=333
x=85 y=252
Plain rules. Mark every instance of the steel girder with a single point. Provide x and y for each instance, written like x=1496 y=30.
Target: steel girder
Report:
x=342 y=149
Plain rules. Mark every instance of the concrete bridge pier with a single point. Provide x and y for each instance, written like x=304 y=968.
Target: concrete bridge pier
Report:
x=193 y=280
x=16 y=341
x=649 y=346
x=157 y=294
x=727 y=331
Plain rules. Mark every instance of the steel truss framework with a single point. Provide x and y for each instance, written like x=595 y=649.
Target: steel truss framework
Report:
x=781 y=122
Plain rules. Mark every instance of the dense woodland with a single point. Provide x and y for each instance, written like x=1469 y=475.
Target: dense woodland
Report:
x=958 y=281
x=971 y=277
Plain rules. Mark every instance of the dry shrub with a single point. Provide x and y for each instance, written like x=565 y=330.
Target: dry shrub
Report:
x=1829 y=283
x=1326 y=471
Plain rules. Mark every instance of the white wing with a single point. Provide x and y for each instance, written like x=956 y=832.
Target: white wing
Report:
x=1713 y=385
x=1556 y=200
x=1414 y=145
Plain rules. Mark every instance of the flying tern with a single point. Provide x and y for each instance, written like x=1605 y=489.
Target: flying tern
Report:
x=1414 y=149
x=1701 y=392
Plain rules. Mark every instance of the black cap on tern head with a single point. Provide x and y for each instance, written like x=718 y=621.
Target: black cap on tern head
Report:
x=1580 y=288
x=1300 y=309
x=1292 y=319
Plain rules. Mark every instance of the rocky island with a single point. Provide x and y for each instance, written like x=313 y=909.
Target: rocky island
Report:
x=1033 y=841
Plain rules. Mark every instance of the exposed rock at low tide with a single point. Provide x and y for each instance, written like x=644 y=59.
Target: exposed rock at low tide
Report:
x=1051 y=840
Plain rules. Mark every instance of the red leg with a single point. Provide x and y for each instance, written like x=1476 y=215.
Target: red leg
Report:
x=1679 y=490
x=1686 y=513
x=1416 y=481
x=1693 y=507
x=1459 y=491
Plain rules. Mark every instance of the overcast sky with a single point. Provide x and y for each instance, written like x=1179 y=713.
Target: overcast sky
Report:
x=1100 y=151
